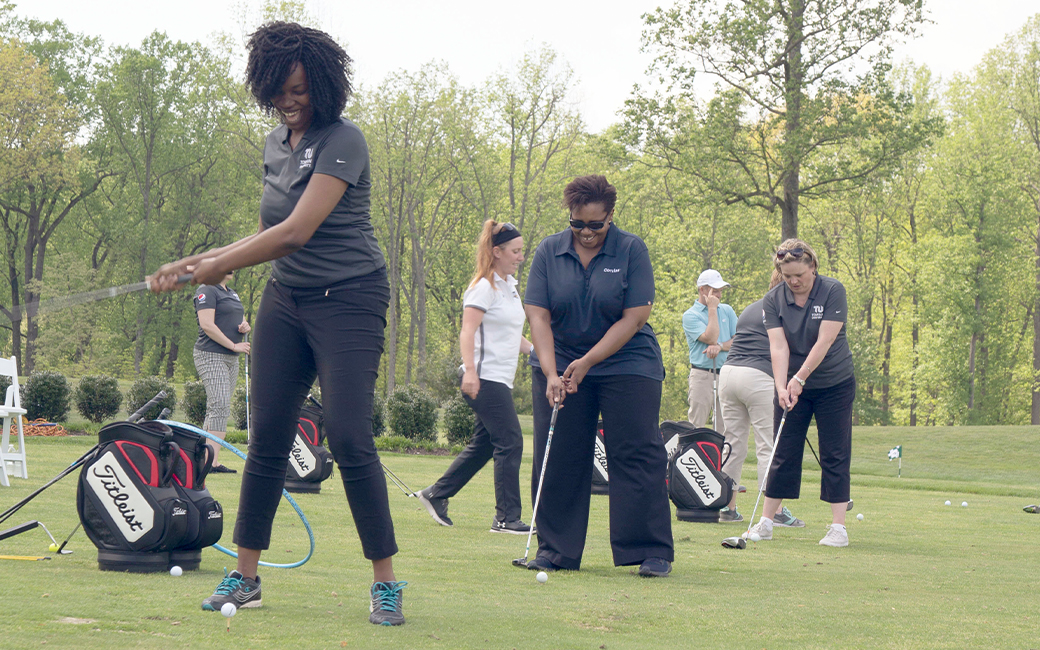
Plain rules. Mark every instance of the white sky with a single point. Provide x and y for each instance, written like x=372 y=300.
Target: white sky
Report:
x=477 y=38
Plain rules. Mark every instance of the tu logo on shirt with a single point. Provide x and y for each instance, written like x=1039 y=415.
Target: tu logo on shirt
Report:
x=817 y=312
x=307 y=160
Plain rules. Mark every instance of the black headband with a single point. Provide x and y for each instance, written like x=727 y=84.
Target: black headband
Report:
x=508 y=232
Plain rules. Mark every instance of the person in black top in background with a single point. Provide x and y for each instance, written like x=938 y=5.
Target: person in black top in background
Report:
x=323 y=311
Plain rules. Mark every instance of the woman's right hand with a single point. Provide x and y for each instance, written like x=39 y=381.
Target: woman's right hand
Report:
x=786 y=399
x=242 y=347
x=555 y=389
x=165 y=278
x=471 y=383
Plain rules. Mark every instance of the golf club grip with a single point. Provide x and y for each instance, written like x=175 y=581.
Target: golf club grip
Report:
x=139 y=413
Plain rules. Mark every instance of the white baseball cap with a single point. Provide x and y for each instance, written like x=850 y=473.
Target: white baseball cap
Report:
x=712 y=278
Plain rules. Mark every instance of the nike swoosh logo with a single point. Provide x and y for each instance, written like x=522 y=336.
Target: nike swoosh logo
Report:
x=340 y=161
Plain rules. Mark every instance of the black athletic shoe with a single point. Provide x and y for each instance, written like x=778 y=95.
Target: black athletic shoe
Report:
x=235 y=589
x=514 y=527
x=222 y=469
x=438 y=508
x=386 y=603
x=542 y=563
x=655 y=567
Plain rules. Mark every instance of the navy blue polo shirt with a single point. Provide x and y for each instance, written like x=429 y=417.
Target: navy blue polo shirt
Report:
x=801 y=325
x=585 y=302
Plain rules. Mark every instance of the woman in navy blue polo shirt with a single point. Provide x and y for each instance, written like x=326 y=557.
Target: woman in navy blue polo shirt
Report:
x=813 y=373
x=589 y=294
x=323 y=311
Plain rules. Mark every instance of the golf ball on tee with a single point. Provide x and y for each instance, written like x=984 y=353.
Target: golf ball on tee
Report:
x=964 y=504
x=860 y=516
x=53 y=548
x=755 y=537
x=947 y=502
x=228 y=610
x=176 y=571
x=542 y=576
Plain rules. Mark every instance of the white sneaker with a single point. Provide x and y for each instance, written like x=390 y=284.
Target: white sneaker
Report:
x=764 y=529
x=836 y=535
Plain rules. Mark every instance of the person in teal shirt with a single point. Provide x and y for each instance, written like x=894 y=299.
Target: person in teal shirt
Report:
x=709 y=325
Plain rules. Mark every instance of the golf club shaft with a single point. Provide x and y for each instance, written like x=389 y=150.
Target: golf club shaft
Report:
x=37 y=307
x=765 y=479
x=396 y=480
x=75 y=465
x=62 y=547
x=541 y=478
x=714 y=397
x=139 y=413
x=247 y=391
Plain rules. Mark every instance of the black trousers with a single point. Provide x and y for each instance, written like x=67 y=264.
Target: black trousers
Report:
x=336 y=335
x=497 y=435
x=832 y=407
x=640 y=517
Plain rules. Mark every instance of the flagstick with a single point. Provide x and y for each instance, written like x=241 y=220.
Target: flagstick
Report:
x=900 y=475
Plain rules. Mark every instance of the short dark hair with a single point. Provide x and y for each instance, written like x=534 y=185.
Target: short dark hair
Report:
x=273 y=51
x=594 y=188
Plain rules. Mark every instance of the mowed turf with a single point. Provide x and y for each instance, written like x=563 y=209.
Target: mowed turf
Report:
x=918 y=574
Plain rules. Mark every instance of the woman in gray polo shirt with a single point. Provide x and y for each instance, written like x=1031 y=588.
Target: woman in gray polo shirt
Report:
x=323 y=311
x=813 y=373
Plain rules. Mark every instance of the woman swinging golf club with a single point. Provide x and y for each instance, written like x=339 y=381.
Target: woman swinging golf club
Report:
x=813 y=373
x=323 y=311
x=491 y=341
x=589 y=294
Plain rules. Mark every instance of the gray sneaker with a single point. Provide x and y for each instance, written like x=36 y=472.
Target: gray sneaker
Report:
x=438 y=508
x=240 y=591
x=386 y=603
x=727 y=516
x=786 y=519
x=837 y=535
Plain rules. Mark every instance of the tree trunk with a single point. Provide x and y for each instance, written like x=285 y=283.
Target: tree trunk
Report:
x=793 y=81
x=1034 y=413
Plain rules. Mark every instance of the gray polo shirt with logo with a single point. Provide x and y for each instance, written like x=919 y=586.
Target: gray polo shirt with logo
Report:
x=801 y=326
x=344 y=246
x=750 y=347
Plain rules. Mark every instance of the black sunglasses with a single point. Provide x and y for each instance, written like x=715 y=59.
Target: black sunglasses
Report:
x=591 y=225
x=505 y=226
x=794 y=252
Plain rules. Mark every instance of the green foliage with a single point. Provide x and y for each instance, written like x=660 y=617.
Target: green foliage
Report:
x=378 y=416
x=194 y=402
x=404 y=445
x=459 y=419
x=46 y=395
x=238 y=407
x=412 y=414
x=5 y=381
x=98 y=398
x=145 y=389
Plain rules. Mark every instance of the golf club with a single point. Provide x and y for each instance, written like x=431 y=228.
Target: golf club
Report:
x=741 y=542
x=37 y=307
x=396 y=480
x=246 y=337
x=522 y=561
x=714 y=397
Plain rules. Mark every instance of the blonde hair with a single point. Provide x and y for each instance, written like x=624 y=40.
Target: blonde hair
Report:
x=808 y=255
x=485 y=265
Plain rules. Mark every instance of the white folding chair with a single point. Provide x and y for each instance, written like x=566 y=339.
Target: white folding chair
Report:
x=12 y=409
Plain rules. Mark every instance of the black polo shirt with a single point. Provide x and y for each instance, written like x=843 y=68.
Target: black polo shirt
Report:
x=750 y=347
x=801 y=326
x=586 y=302
x=227 y=317
x=344 y=246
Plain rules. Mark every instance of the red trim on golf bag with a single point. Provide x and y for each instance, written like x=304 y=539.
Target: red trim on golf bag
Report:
x=712 y=453
x=205 y=514
x=695 y=478
x=309 y=462
x=153 y=462
x=311 y=432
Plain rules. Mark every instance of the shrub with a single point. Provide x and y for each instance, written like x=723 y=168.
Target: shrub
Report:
x=5 y=382
x=145 y=389
x=412 y=413
x=238 y=407
x=194 y=402
x=98 y=398
x=378 y=417
x=459 y=419
x=46 y=396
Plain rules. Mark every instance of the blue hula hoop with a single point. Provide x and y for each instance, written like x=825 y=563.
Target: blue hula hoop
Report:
x=288 y=497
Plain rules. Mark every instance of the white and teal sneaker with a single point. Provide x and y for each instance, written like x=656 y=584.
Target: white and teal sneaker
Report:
x=786 y=519
x=240 y=591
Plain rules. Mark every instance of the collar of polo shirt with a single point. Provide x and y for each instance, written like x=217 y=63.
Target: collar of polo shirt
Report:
x=566 y=244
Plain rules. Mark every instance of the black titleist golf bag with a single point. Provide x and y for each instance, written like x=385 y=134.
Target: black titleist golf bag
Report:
x=205 y=516
x=600 y=477
x=696 y=483
x=309 y=462
x=126 y=501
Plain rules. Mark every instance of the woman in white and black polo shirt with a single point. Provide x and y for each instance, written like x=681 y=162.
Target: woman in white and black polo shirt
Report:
x=221 y=327
x=813 y=373
x=491 y=342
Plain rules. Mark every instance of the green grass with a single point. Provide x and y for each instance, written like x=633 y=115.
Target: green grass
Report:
x=917 y=575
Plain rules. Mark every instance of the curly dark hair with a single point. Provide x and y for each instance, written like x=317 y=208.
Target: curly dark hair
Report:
x=273 y=51
x=584 y=190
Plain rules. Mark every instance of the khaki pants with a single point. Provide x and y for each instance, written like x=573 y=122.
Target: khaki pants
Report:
x=699 y=397
x=747 y=405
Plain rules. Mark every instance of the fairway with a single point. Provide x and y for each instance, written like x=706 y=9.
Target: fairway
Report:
x=917 y=574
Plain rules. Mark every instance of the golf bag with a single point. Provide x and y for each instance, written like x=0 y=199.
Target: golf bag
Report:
x=600 y=477
x=127 y=504
x=205 y=516
x=696 y=483
x=309 y=462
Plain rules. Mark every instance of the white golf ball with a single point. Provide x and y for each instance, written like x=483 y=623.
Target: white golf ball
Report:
x=542 y=576
x=948 y=502
x=176 y=571
x=228 y=610
x=964 y=504
x=755 y=537
x=860 y=516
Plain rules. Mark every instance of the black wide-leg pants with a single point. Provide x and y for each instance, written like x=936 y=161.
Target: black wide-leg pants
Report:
x=496 y=434
x=640 y=517
x=335 y=334
x=832 y=407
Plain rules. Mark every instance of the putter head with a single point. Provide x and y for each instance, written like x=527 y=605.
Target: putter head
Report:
x=848 y=508
x=520 y=562
x=734 y=542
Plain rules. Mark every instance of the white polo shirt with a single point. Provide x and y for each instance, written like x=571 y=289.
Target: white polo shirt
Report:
x=496 y=343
